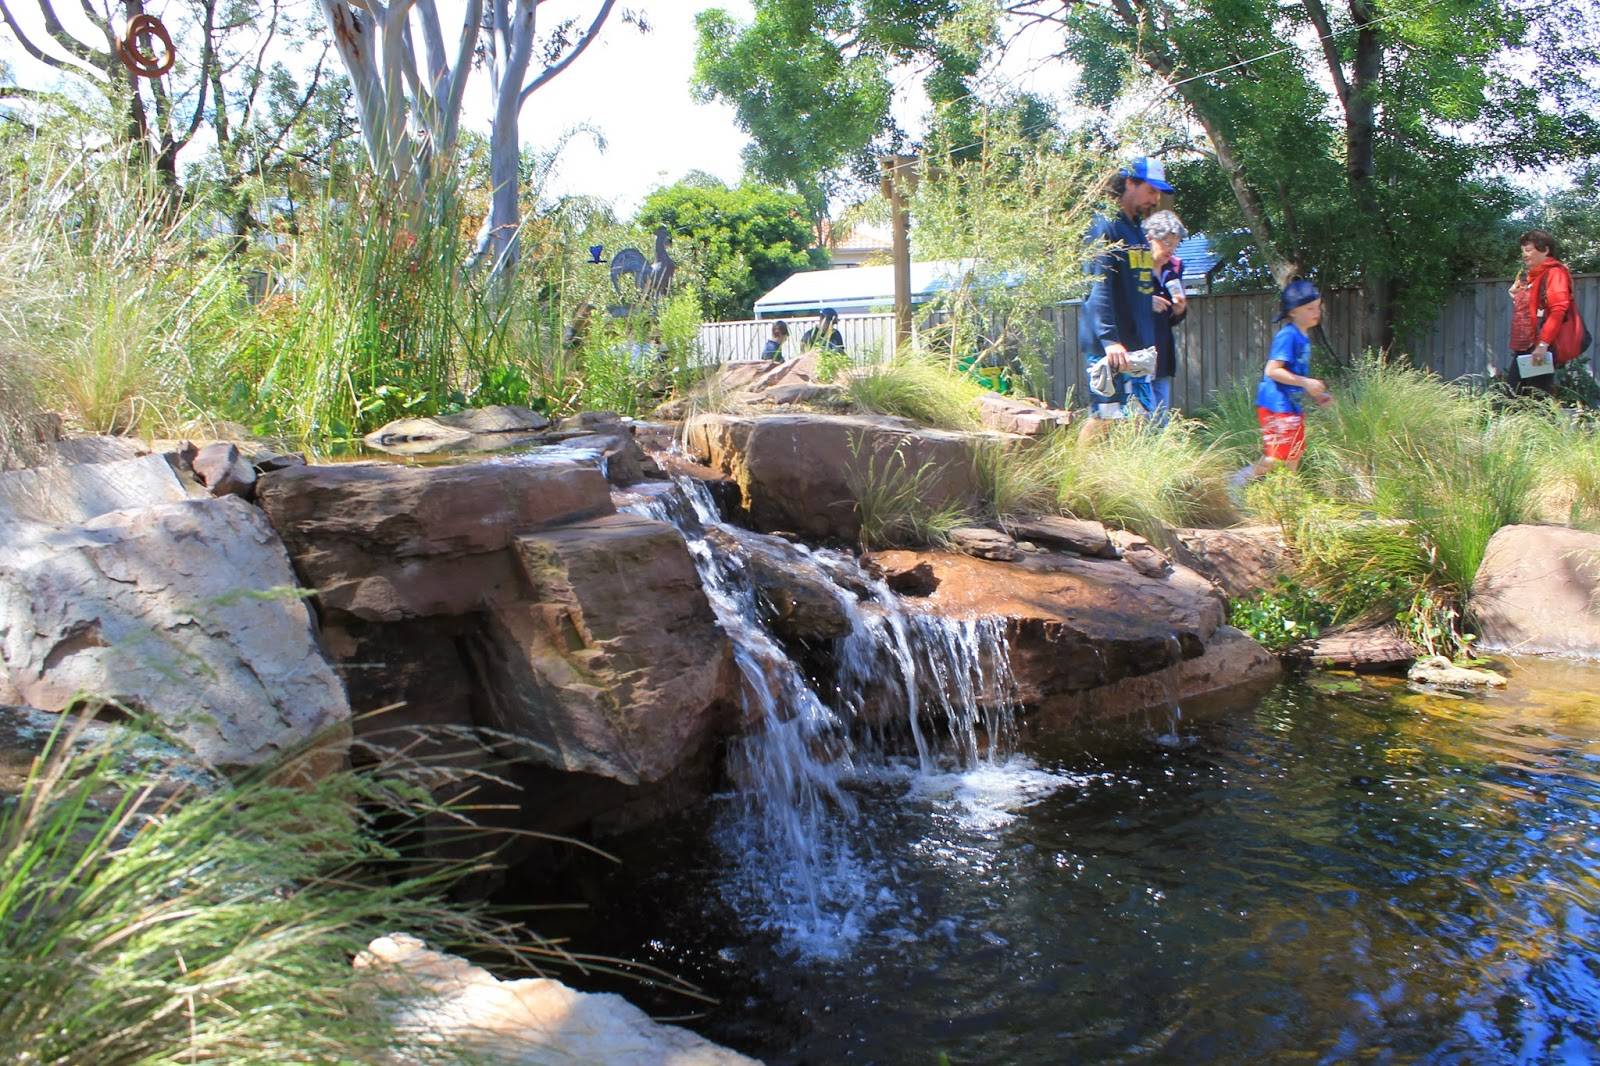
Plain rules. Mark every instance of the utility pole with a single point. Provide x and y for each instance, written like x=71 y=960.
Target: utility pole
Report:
x=898 y=178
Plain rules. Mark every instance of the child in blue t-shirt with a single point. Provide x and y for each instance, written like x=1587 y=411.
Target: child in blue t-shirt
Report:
x=1286 y=381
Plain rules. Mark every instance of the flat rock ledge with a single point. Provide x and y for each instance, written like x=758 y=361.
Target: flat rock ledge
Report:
x=531 y=1022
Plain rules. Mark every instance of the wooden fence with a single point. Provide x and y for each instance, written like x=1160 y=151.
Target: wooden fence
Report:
x=1224 y=340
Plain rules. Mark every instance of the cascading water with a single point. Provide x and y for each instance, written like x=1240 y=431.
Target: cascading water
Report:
x=796 y=870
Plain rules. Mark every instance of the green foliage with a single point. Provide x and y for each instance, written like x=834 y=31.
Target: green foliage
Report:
x=1345 y=190
x=1141 y=476
x=1015 y=203
x=893 y=501
x=1281 y=617
x=919 y=387
x=809 y=80
x=214 y=922
x=732 y=244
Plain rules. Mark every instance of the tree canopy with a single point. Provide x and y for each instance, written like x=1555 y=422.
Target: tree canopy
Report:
x=734 y=243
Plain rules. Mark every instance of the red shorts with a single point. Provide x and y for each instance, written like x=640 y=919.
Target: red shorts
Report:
x=1283 y=433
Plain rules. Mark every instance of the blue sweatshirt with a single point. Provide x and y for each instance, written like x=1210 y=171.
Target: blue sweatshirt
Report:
x=1118 y=305
x=1293 y=349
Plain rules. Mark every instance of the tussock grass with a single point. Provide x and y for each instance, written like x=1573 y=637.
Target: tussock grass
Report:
x=1143 y=477
x=150 y=916
x=921 y=388
x=893 y=501
x=1018 y=478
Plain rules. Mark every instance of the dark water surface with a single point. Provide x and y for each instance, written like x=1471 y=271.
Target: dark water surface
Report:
x=1367 y=875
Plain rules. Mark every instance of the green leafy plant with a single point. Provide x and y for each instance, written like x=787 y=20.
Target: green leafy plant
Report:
x=1281 y=617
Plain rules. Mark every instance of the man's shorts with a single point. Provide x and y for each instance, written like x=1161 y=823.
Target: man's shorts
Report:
x=1283 y=433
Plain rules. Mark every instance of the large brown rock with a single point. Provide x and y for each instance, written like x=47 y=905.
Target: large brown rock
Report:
x=1366 y=647
x=1244 y=561
x=613 y=664
x=1073 y=623
x=803 y=472
x=1538 y=590
x=185 y=611
x=1014 y=416
x=561 y=655
x=797 y=600
x=1232 y=666
x=1072 y=534
x=386 y=542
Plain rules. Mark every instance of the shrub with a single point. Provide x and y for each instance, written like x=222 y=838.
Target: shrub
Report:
x=1017 y=478
x=215 y=925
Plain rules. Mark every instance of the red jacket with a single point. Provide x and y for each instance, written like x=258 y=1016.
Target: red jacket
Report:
x=1557 y=297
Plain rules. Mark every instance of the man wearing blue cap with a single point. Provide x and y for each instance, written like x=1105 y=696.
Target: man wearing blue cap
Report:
x=1118 y=316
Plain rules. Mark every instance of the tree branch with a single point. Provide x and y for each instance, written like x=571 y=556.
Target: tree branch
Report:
x=566 y=60
x=1330 y=50
x=42 y=56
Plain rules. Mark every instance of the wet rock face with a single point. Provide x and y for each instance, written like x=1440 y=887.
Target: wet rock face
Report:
x=566 y=649
x=186 y=611
x=1073 y=623
x=804 y=472
x=1538 y=591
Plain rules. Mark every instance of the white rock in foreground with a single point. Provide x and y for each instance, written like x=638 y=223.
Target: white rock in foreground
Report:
x=531 y=1022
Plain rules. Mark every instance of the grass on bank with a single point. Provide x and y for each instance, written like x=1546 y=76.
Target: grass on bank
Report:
x=917 y=386
x=218 y=923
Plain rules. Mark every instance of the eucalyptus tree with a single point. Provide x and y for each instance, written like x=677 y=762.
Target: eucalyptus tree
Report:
x=410 y=105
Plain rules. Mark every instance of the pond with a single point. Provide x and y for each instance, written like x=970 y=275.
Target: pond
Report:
x=1336 y=871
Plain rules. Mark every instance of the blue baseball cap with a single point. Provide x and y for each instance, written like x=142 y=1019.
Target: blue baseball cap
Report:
x=1152 y=172
x=1297 y=293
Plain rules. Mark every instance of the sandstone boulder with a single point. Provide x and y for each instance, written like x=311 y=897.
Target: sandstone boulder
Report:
x=1013 y=416
x=223 y=471
x=535 y=1021
x=1071 y=534
x=1141 y=554
x=797 y=600
x=983 y=543
x=1231 y=666
x=1244 y=561
x=805 y=472
x=1366 y=647
x=386 y=542
x=613 y=663
x=1538 y=591
x=185 y=611
x=70 y=493
x=1072 y=623
x=480 y=429
x=562 y=656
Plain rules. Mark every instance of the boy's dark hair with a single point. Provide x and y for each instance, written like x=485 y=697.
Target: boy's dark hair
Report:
x=1541 y=239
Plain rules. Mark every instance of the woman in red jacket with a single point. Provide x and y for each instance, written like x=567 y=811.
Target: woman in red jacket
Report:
x=1540 y=299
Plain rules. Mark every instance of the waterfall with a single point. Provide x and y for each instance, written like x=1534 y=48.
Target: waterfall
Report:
x=895 y=669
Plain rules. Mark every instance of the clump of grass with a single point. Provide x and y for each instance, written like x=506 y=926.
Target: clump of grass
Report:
x=20 y=417
x=106 y=282
x=1017 y=478
x=894 y=502
x=217 y=924
x=1142 y=476
x=920 y=388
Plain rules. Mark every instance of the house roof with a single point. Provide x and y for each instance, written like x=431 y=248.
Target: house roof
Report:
x=1199 y=256
x=857 y=291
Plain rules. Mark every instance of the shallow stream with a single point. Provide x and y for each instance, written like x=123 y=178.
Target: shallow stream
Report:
x=1338 y=871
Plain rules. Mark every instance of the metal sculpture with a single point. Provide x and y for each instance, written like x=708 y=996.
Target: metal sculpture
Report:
x=650 y=277
x=136 y=38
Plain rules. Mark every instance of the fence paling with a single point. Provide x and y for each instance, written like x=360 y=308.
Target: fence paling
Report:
x=1223 y=342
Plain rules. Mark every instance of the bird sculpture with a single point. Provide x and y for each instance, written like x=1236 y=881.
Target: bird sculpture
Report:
x=650 y=277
